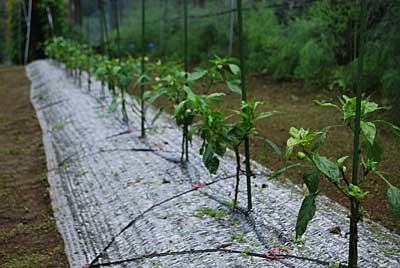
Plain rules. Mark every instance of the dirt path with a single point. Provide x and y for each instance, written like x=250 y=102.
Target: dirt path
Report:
x=28 y=235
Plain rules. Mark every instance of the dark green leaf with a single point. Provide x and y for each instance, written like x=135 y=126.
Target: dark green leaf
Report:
x=327 y=104
x=393 y=195
x=327 y=167
x=196 y=75
x=234 y=68
x=306 y=213
x=159 y=113
x=273 y=146
x=321 y=139
x=234 y=87
x=369 y=131
x=279 y=172
x=311 y=179
x=373 y=152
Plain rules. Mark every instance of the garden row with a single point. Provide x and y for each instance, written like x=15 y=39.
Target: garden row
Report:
x=197 y=114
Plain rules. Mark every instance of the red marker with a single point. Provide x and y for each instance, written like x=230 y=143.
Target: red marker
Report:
x=277 y=253
x=197 y=184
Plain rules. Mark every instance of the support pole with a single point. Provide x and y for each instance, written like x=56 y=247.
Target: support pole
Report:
x=231 y=26
x=244 y=98
x=104 y=24
x=355 y=204
x=116 y=20
x=143 y=69
x=186 y=59
x=28 y=33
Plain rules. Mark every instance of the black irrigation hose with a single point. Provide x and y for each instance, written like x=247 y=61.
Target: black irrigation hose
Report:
x=65 y=160
x=243 y=212
x=212 y=250
x=150 y=209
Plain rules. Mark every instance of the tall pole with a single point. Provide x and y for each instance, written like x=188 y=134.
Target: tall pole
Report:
x=104 y=24
x=244 y=98
x=186 y=59
x=116 y=20
x=143 y=68
x=163 y=20
x=185 y=37
x=28 y=32
x=232 y=23
x=355 y=204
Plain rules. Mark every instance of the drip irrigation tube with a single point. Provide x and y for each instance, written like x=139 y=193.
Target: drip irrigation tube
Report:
x=98 y=256
x=213 y=250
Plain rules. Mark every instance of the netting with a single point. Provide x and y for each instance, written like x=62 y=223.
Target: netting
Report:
x=212 y=25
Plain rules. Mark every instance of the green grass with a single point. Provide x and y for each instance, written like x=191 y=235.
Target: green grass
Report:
x=215 y=213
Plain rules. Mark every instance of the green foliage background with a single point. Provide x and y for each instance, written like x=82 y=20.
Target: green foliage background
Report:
x=16 y=34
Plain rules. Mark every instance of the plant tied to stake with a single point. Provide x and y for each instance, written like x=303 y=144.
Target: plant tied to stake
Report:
x=335 y=172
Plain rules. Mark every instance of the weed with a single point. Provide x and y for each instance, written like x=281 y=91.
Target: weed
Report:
x=238 y=238
x=215 y=213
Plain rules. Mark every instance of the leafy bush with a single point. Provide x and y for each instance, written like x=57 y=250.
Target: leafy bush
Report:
x=315 y=62
x=262 y=34
x=296 y=49
x=40 y=29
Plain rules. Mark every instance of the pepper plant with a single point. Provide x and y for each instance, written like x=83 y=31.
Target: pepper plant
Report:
x=335 y=172
x=174 y=85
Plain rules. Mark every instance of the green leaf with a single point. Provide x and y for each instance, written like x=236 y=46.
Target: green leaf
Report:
x=372 y=151
x=321 y=139
x=369 y=130
x=311 y=179
x=393 y=195
x=342 y=160
x=263 y=115
x=356 y=192
x=189 y=92
x=215 y=96
x=196 y=75
x=279 y=172
x=327 y=104
x=234 y=87
x=306 y=213
x=327 y=167
x=159 y=113
x=210 y=160
x=395 y=129
x=234 y=68
x=273 y=146
x=290 y=144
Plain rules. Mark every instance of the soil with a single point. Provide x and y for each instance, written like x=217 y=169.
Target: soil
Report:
x=294 y=106
x=28 y=234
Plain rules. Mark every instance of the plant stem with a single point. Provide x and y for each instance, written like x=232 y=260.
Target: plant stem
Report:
x=187 y=142
x=124 y=113
x=244 y=98
x=237 y=176
x=183 y=145
x=354 y=218
x=186 y=59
